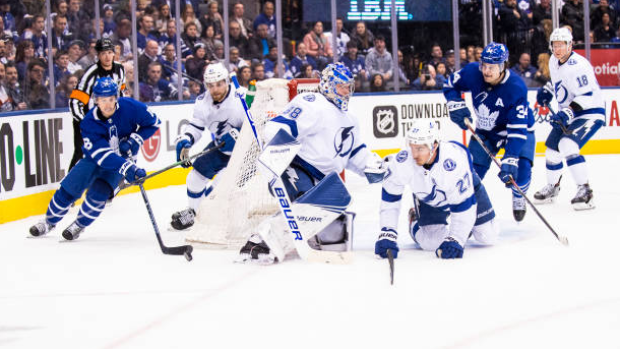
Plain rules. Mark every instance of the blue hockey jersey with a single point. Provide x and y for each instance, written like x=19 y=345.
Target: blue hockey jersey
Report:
x=102 y=137
x=502 y=111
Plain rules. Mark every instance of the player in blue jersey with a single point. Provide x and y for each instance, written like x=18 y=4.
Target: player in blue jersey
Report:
x=503 y=118
x=113 y=133
x=581 y=114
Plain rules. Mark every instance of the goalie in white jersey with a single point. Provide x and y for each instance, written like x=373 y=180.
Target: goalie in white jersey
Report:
x=444 y=184
x=327 y=140
x=581 y=115
x=218 y=111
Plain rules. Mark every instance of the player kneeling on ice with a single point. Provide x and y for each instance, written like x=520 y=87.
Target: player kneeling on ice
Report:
x=312 y=140
x=218 y=111
x=581 y=115
x=113 y=133
x=444 y=184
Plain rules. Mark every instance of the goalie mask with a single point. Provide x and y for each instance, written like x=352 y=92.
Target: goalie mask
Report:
x=214 y=73
x=332 y=76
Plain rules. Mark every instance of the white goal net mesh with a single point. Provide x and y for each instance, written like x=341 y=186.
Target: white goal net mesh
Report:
x=240 y=199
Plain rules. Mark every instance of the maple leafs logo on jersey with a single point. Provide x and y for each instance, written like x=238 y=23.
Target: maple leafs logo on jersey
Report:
x=486 y=118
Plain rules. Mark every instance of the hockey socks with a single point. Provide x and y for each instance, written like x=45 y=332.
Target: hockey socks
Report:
x=94 y=203
x=59 y=206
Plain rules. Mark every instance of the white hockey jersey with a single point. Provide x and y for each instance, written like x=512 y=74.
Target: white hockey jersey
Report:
x=330 y=138
x=448 y=184
x=218 y=118
x=574 y=81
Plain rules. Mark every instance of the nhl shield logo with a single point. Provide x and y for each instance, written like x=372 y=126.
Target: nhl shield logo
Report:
x=385 y=121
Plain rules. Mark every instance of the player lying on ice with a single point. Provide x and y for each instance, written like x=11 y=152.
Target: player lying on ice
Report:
x=312 y=140
x=444 y=184
x=113 y=133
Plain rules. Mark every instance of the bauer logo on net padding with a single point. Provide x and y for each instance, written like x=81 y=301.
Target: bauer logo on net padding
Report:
x=385 y=121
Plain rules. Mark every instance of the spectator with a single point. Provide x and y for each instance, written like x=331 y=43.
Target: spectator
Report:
x=377 y=83
x=270 y=64
x=572 y=15
x=543 y=75
x=123 y=37
x=237 y=39
x=195 y=65
x=189 y=16
x=516 y=29
x=109 y=25
x=300 y=59
x=213 y=18
x=9 y=48
x=149 y=55
x=170 y=64
x=219 y=52
x=75 y=53
x=90 y=57
x=478 y=53
x=605 y=31
x=129 y=78
x=14 y=88
x=450 y=62
x=3 y=58
x=5 y=99
x=7 y=18
x=363 y=37
x=154 y=88
x=170 y=37
x=66 y=85
x=427 y=80
x=542 y=11
x=161 y=24
x=463 y=56
x=413 y=66
x=436 y=55
x=525 y=70
x=258 y=71
x=471 y=53
x=245 y=75
x=23 y=56
x=60 y=40
x=245 y=25
x=442 y=74
x=318 y=46
x=77 y=20
x=236 y=62
x=195 y=89
x=267 y=17
x=596 y=18
x=208 y=38
x=190 y=36
x=35 y=33
x=379 y=60
x=61 y=62
x=356 y=64
x=259 y=43
x=36 y=92
x=144 y=33
x=342 y=38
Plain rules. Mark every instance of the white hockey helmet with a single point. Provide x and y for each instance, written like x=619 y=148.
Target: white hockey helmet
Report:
x=215 y=72
x=423 y=132
x=561 y=34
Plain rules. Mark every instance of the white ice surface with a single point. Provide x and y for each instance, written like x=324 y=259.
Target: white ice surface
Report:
x=113 y=288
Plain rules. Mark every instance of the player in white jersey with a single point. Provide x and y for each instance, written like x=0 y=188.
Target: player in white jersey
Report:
x=330 y=141
x=581 y=114
x=444 y=184
x=218 y=111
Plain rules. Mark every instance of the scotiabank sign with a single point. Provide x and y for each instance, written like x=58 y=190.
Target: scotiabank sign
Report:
x=606 y=63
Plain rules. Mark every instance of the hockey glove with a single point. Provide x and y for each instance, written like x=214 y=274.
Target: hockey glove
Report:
x=544 y=95
x=509 y=169
x=129 y=147
x=132 y=172
x=561 y=118
x=458 y=113
x=449 y=249
x=229 y=139
x=386 y=241
x=183 y=145
x=375 y=168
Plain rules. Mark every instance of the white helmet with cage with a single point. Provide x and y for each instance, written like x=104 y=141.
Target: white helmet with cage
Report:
x=561 y=34
x=214 y=73
x=423 y=132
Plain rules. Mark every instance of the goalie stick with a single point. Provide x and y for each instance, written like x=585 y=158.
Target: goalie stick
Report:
x=286 y=208
x=560 y=238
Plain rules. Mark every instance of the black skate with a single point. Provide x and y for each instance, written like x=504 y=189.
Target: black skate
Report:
x=548 y=193
x=256 y=250
x=518 y=208
x=183 y=219
x=41 y=228
x=583 y=200
x=72 y=232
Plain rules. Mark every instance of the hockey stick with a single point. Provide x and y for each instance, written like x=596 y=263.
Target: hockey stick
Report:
x=391 y=262
x=178 y=163
x=564 y=129
x=562 y=239
x=185 y=250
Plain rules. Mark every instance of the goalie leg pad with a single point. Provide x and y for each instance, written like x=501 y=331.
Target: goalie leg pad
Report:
x=297 y=182
x=337 y=236
x=211 y=163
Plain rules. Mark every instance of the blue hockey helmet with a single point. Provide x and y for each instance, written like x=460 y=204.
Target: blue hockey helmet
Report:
x=335 y=74
x=494 y=53
x=105 y=87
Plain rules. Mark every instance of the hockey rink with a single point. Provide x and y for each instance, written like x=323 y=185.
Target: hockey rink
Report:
x=113 y=288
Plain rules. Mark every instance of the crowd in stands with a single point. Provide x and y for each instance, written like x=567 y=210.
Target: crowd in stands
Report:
x=524 y=25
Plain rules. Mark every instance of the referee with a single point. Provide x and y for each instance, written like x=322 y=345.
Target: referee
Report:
x=80 y=101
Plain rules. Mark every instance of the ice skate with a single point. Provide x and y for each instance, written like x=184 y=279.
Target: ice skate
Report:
x=583 y=200
x=41 y=228
x=183 y=219
x=547 y=194
x=256 y=251
x=72 y=232
x=518 y=208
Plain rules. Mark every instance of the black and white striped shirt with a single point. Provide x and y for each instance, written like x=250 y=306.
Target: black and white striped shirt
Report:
x=80 y=102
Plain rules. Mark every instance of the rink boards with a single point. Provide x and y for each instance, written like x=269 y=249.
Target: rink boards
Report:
x=36 y=148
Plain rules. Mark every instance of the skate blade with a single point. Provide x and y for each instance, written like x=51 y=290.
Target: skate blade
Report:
x=583 y=206
x=543 y=202
x=245 y=258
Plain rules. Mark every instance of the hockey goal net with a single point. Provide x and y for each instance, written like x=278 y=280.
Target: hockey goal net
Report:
x=240 y=199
